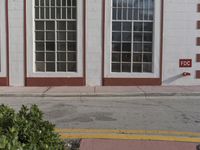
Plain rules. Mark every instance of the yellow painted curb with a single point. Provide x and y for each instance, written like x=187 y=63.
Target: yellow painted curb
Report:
x=154 y=135
x=154 y=132
x=130 y=137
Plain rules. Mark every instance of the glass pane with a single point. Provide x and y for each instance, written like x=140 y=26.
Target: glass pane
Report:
x=116 y=26
x=73 y=2
x=71 y=46
x=41 y=13
x=148 y=37
x=41 y=2
x=116 y=47
x=39 y=46
x=36 y=2
x=71 y=67
x=40 y=56
x=148 y=47
x=50 y=56
x=126 y=67
x=61 y=25
x=61 y=46
x=61 y=36
x=147 y=68
x=37 y=13
x=137 y=36
x=53 y=12
x=69 y=3
x=116 y=67
x=58 y=13
x=114 y=3
x=52 y=2
x=64 y=11
x=69 y=13
x=126 y=47
x=71 y=36
x=126 y=36
x=61 y=56
x=126 y=57
x=39 y=36
x=137 y=67
x=73 y=13
x=61 y=67
x=50 y=46
x=137 y=57
x=71 y=56
x=127 y=26
x=137 y=47
x=50 y=35
x=116 y=57
x=138 y=26
x=50 y=25
x=71 y=25
x=147 y=57
x=39 y=25
x=40 y=66
x=47 y=13
x=116 y=36
x=50 y=67
x=148 y=26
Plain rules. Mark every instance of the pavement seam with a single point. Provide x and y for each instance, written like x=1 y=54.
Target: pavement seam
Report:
x=100 y=95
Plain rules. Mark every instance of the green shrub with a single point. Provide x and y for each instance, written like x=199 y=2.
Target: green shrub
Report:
x=26 y=130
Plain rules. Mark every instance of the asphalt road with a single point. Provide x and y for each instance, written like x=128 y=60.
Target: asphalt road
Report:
x=136 y=113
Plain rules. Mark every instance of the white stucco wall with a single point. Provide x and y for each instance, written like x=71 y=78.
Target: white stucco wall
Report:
x=2 y=39
x=94 y=43
x=16 y=33
x=180 y=32
x=179 y=41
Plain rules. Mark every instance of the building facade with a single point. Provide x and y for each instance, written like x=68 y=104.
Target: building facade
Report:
x=99 y=42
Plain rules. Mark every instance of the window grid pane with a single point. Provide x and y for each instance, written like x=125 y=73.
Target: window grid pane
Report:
x=55 y=36
x=132 y=35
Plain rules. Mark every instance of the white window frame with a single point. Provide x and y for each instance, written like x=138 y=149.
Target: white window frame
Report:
x=156 y=45
x=31 y=46
x=2 y=39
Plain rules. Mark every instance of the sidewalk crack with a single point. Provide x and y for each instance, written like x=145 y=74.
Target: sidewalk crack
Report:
x=47 y=90
x=145 y=95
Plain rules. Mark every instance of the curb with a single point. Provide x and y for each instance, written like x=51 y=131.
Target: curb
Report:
x=144 y=135
x=99 y=94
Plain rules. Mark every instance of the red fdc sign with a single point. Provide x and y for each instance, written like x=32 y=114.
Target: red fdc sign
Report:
x=185 y=63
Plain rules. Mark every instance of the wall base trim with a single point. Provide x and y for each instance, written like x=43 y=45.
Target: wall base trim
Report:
x=131 y=81
x=4 y=81
x=55 y=82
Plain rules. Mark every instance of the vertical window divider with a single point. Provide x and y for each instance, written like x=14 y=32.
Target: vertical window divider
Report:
x=56 y=45
x=143 y=37
x=132 y=38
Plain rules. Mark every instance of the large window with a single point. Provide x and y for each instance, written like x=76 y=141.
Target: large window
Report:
x=132 y=36
x=55 y=36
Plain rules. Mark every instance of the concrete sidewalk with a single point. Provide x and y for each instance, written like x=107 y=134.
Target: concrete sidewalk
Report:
x=134 y=91
x=135 y=145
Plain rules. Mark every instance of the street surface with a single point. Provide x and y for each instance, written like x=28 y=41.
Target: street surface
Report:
x=129 y=113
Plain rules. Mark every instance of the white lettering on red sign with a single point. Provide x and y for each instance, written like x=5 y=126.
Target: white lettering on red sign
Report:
x=185 y=63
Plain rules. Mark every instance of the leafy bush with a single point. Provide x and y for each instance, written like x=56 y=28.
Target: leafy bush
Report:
x=26 y=130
